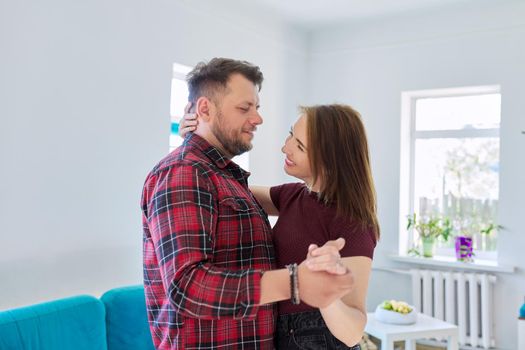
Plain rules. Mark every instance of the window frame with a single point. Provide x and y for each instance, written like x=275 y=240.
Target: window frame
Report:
x=179 y=72
x=409 y=135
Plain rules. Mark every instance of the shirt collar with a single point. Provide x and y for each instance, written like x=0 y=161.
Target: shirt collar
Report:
x=216 y=156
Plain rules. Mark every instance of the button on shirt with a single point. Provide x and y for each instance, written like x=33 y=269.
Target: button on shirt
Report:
x=206 y=244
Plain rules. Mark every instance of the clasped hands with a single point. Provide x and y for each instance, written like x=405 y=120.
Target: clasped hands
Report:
x=323 y=278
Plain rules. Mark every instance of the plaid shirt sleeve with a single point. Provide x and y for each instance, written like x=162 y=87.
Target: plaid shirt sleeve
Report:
x=181 y=213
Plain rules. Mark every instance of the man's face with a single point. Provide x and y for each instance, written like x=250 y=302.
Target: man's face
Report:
x=237 y=116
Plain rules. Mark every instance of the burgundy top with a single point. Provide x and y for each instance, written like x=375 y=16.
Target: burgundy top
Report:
x=304 y=220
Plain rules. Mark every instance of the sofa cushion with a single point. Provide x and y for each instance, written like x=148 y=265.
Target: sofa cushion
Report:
x=75 y=323
x=126 y=319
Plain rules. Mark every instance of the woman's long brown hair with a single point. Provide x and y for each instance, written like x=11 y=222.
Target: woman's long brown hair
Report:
x=340 y=161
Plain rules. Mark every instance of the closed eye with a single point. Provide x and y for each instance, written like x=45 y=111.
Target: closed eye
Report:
x=299 y=145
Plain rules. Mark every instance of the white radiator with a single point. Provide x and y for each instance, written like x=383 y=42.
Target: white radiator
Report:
x=464 y=299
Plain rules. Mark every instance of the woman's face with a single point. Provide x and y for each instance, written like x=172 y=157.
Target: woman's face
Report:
x=295 y=148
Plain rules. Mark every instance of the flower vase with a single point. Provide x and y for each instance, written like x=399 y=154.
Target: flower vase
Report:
x=428 y=247
x=464 y=248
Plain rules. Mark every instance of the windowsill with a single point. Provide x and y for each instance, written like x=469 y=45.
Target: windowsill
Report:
x=445 y=261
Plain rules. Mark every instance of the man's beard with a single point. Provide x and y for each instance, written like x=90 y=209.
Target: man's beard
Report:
x=231 y=143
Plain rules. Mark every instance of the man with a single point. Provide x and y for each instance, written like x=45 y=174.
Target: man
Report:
x=208 y=256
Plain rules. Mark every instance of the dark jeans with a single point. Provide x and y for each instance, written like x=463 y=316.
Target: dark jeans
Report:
x=306 y=330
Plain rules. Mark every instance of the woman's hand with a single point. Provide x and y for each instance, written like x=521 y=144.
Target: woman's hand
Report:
x=189 y=122
x=327 y=257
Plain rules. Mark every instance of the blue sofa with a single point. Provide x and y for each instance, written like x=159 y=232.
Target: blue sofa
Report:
x=116 y=321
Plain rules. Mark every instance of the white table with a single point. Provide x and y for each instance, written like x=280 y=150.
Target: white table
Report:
x=425 y=327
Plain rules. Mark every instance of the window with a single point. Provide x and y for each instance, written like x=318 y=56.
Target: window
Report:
x=179 y=100
x=450 y=164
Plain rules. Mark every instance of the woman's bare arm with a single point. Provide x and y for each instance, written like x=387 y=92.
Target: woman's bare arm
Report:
x=346 y=317
x=262 y=194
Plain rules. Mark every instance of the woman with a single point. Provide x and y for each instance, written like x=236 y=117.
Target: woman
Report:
x=326 y=149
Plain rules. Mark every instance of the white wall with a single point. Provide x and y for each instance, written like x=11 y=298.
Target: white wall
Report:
x=84 y=111
x=84 y=114
x=369 y=64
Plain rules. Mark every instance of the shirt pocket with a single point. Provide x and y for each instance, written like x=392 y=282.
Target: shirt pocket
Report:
x=236 y=205
x=239 y=234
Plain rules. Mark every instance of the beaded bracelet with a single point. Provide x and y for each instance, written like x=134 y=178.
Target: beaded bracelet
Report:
x=294 y=284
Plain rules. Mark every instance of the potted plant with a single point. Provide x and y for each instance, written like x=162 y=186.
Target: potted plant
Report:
x=430 y=229
x=464 y=243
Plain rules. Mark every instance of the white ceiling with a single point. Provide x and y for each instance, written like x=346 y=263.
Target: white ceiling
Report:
x=315 y=12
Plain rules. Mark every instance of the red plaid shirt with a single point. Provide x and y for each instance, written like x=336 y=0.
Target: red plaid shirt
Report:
x=206 y=244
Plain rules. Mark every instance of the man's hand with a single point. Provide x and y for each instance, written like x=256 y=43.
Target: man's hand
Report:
x=320 y=289
x=327 y=257
x=322 y=277
x=189 y=122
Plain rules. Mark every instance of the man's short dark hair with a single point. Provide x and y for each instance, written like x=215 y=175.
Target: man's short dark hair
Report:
x=210 y=78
